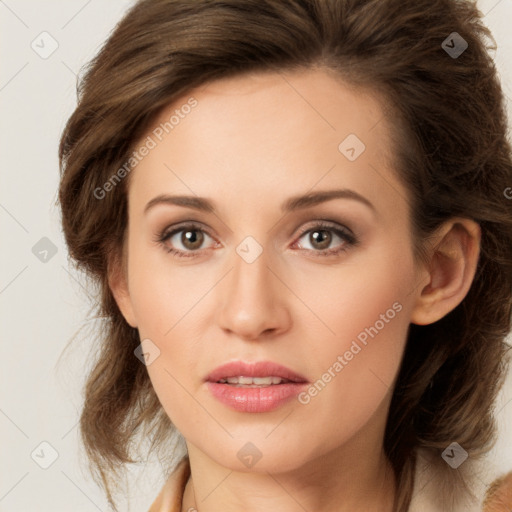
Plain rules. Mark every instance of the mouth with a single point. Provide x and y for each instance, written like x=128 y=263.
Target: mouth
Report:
x=257 y=387
x=259 y=374
x=253 y=382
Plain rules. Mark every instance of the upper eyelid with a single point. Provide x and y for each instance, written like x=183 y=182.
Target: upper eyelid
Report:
x=199 y=226
x=176 y=228
x=326 y=224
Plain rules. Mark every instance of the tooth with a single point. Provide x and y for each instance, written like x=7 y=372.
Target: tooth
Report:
x=253 y=381
x=262 y=381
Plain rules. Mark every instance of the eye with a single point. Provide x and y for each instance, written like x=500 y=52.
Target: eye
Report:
x=187 y=240
x=322 y=235
x=190 y=237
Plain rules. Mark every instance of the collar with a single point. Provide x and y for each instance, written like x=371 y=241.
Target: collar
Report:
x=430 y=493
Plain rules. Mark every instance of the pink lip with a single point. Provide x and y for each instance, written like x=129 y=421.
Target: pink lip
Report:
x=258 y=369
x=262 y=399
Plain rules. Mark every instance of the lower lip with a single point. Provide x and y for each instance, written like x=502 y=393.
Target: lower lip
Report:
x=263 y=399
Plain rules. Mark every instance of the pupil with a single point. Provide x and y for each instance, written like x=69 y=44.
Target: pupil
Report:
x=191 y=240
x=322 y=241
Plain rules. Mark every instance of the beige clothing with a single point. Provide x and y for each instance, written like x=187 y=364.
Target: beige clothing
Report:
x=426 y=495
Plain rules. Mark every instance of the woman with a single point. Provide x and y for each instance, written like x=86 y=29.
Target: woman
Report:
x=296 y=213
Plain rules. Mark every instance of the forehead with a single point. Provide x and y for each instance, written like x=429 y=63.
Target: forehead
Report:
x=268 y=135
x=265 y=102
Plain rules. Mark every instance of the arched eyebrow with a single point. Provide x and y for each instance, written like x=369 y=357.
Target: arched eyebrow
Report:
x=314 y=198
x=195 y=202
x=291 y=204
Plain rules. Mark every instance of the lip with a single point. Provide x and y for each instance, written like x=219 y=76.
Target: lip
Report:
x=257 y=369
x=260 y=399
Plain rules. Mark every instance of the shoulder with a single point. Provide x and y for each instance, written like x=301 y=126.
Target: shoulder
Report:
x=433 y=492
x=171 y=494
x=499 y=495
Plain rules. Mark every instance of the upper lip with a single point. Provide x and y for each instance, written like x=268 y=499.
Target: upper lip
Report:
x=254 y=369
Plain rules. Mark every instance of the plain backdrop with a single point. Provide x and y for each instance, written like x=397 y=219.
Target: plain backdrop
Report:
x=42 y=301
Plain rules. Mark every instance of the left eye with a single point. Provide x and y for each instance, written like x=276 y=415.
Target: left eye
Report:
x=320 y=239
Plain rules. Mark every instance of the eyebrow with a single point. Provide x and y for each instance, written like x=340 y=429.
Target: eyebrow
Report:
x=291 y=204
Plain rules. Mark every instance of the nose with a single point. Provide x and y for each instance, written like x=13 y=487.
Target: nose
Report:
x=253 y=301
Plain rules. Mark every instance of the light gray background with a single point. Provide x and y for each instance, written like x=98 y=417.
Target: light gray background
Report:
x=43 y=303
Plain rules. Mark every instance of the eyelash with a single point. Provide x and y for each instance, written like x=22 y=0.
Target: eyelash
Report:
x=349 y=238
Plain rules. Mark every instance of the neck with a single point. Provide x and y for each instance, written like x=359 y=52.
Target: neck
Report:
x=340 y=481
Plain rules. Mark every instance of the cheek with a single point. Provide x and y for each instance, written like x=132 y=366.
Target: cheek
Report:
x=167 y=301
x=171 y=388
x=355 y=299
x=365 y=313
x=357 y=371
x=162 y=293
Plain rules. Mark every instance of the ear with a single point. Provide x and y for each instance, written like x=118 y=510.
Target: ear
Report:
x=118 y=284
x=452 y=265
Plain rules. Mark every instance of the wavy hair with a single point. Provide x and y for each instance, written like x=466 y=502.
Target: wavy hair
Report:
x=452 y=152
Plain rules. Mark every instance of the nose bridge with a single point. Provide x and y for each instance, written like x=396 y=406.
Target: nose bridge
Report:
x=252 y=301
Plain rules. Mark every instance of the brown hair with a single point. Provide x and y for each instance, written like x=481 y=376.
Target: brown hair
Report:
x=453 y=156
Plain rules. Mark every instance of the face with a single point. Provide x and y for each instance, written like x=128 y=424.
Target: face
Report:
x=322 y=286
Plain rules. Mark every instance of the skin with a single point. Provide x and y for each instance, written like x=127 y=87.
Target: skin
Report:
x=252 y=142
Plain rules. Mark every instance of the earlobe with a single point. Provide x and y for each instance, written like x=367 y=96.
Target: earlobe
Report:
x=118 y=284
x=452 y=268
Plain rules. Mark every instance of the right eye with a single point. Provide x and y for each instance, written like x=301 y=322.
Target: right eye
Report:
x=190 y=236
